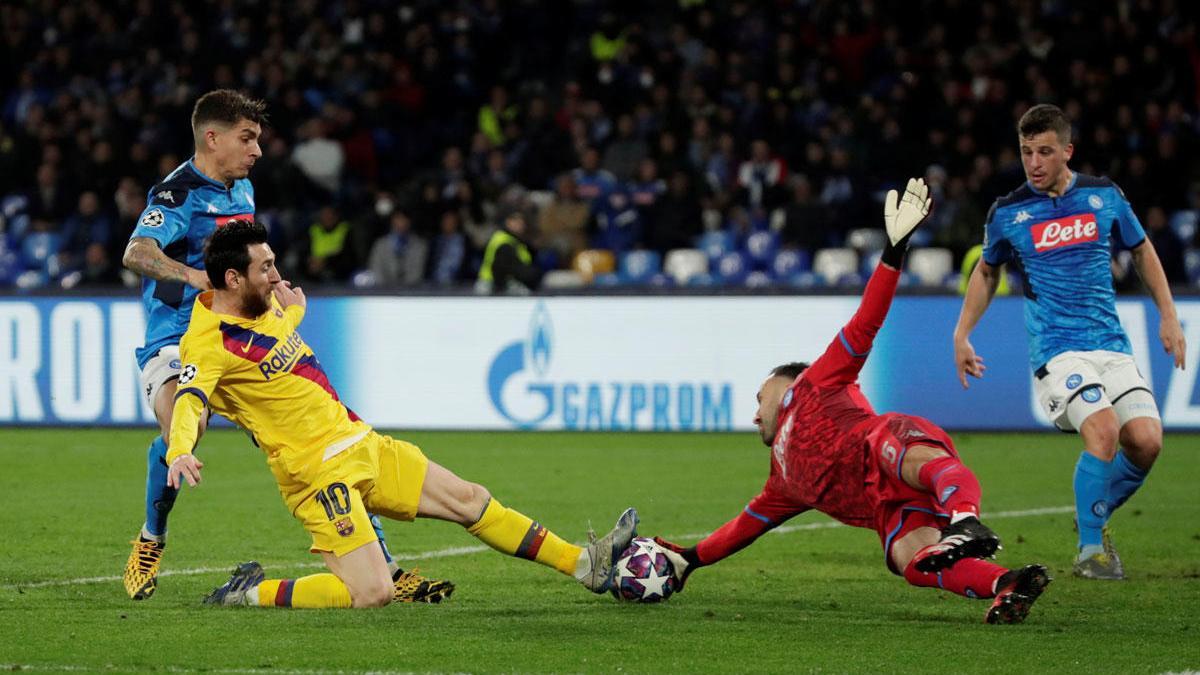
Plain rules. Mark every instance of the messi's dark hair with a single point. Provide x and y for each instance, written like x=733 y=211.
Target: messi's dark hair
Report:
x=229 y=249
x=1042 y=118
x=789 y=370
x=226 y=107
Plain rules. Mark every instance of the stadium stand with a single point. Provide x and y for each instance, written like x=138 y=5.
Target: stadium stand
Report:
x=722 y=126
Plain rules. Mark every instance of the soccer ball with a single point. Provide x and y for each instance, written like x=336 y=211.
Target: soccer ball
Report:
x=644 y=573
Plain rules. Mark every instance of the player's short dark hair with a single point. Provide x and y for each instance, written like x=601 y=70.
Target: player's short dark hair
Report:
x=226 y=107
x=229 y=248
x=1045 y=117
x=789 y=370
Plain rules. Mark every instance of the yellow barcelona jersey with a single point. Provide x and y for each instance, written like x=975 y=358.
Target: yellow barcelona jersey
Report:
x=260 y=374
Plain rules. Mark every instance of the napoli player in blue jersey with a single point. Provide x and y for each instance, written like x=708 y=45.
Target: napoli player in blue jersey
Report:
x=1059 y=230
x=167 y=249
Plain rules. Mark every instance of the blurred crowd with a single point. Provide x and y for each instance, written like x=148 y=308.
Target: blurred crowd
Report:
x=401 y=135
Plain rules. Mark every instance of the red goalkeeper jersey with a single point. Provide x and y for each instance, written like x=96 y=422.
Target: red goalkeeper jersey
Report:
x=819 y=457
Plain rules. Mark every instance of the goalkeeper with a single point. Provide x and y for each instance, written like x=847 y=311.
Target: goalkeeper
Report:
x=897 y=474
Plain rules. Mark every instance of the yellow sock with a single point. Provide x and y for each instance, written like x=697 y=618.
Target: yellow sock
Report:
x=312 y=592
x=516 y=534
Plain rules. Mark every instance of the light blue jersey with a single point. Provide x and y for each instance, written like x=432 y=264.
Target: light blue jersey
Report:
x=1062 y=247
x=181 y=213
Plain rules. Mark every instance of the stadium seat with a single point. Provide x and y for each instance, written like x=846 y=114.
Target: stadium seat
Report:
x=758 y=279
x=1184 y=225
x=607 y=280
x=637 y=267
x=834 y=263
x=930 y=265
x=731 y=268
x=37 y=249
x=851 y=280
x=684 y=263
x=559 y=279
x=869 y=262
x=866 y=239
x=1191 y=262
x=790 y=262
x=761 y=248
x=661 y=280
x=592 y=262
x=807 y=281
x=715 y=243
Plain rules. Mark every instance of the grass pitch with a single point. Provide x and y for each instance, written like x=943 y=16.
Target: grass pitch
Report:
x=811 y=597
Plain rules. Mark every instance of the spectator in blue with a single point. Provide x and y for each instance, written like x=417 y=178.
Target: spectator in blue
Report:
x=592 y=183
x=449 y=251
x=646 y=190
x=85 y=228
x=618 y=224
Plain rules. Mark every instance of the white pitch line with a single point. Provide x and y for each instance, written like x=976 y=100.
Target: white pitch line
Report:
x=467 y=550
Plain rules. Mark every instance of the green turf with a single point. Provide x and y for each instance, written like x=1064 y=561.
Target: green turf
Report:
x=807 y=600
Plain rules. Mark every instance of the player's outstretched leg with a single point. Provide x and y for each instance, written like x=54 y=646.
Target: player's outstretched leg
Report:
x=602 y=553
x=447 y=497
x=1016 y=591
x=141 y=569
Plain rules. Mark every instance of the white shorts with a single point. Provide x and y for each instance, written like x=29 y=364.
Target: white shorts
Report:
x=1073 y=385
x=160 y=369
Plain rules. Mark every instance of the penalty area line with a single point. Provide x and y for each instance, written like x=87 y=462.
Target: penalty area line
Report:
x=468 y=550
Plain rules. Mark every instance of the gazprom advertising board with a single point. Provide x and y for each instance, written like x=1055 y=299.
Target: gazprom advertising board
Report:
x=645 y=364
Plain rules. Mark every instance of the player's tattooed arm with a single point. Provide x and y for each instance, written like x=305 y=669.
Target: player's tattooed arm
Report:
x=144 y=256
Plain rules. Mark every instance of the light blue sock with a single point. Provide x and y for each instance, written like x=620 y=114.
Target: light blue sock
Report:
x=159 y=498
x=1126 y=479
x=375 y=523
x=1092 y=476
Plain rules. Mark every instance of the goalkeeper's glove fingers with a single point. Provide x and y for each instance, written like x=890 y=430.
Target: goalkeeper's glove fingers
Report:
x=902 y=213
x=684 y=560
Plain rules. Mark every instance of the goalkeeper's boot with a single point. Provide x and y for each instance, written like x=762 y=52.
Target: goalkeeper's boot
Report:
x=141 y=570
x=233 y=592
x=1016 y=592
x=1100 y=566
x=967 y=538
x=412 y=587
x=603 y=552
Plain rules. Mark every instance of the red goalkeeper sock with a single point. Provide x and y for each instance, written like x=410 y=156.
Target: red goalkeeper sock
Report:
x=969 y=577
x=952 y=484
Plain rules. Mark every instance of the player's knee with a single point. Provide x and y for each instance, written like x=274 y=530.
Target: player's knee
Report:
x=473 y=501
x=1143 y=446
x=376 y=594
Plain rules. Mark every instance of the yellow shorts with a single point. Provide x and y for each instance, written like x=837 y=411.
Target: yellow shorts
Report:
x=379 y=475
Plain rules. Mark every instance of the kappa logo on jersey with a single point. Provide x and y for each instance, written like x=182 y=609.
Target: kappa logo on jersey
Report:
x=188 y=374
x=153 y=218
x=1067 y=231
x=165 y=196
x=1022 y=216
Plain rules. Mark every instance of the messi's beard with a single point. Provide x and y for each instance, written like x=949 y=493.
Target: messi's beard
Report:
x=254 y=304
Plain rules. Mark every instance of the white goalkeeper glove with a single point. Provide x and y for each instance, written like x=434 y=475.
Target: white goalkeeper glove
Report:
x=901 y=215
